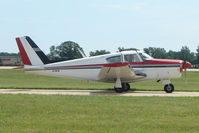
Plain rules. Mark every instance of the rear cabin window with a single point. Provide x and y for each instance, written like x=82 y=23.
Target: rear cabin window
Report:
x=114 y=59
x=131 y=58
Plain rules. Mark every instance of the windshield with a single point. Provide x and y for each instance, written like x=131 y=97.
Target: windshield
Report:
x=145 y=56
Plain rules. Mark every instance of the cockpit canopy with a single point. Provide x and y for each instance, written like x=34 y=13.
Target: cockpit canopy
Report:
x=129 y=56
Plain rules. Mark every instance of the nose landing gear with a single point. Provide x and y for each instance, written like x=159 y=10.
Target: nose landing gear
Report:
x=168 y=87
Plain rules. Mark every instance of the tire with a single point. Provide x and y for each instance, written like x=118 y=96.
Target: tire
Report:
x=119 y=90
x=126 y=86
x=169 y=88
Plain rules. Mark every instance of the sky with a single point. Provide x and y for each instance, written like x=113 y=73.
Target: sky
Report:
x=101 y=24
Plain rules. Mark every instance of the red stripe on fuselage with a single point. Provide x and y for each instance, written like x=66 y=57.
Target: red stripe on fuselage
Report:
x=150 y=62
x=24 y=56
x=93 y=65
x=157 y=62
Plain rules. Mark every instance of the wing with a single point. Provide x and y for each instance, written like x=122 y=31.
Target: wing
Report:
x=124 y=73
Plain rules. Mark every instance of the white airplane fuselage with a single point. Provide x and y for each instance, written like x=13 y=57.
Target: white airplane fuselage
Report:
x=89 y=68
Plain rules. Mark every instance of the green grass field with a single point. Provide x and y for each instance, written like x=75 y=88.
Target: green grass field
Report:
x=77 y=114
x=112 y=114
x=19 y=79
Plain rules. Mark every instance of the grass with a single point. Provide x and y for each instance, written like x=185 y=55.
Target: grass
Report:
x=82 y=114
x=68 y=114
x=18 y=79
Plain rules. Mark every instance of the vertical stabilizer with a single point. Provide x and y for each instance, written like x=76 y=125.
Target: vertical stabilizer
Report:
x=31 y=54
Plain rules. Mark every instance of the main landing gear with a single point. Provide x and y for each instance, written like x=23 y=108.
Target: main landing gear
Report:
x=168 y=87
x=125 y=87
x=121 y=87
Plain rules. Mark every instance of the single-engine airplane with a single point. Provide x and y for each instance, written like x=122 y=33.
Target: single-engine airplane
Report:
x=120 y=68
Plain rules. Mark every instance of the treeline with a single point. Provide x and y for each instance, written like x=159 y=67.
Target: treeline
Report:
x=8 y=54
x=70 y=50
x=182 y=54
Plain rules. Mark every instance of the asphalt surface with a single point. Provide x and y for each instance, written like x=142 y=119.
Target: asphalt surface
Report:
x=98 y=92
x=8 y=67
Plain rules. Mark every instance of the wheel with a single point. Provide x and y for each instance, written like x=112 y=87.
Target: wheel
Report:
x=118 y=90
x=125 y=86
x=169 y=88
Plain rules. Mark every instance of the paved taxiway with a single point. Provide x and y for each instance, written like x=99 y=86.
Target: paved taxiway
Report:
x=97 y=92
x=8 y=67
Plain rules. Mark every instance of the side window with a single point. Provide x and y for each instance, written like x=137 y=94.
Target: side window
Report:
x=114 y=59
x=131 y=58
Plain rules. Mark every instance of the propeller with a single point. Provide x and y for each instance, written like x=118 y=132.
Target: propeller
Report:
x=185 y=69
x=185 y=61
x=186 y=65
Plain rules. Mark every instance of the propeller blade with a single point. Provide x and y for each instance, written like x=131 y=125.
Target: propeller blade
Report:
x=184 y=66
x=185 y=74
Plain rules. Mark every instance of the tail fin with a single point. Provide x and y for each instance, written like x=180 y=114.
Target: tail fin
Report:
x=30 y=52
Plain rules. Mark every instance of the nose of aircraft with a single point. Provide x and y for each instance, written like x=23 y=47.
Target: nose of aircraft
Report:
x=186 y=65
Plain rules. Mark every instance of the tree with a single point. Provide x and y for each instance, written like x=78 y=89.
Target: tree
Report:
x=197 y=54
x=193 y=58
x=53 y=56
x=126 y=49
x=98 y=52
x=65 y=51
x=8 y=54
x=156 y=52
x=173 y=55
x=186 y=54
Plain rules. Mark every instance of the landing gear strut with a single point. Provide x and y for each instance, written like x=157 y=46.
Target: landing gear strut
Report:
x=125 y=87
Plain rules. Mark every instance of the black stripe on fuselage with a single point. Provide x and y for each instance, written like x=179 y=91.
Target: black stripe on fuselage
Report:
x=41 y=55
x=99 y=67
x=155 y=66
x=66 y=68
